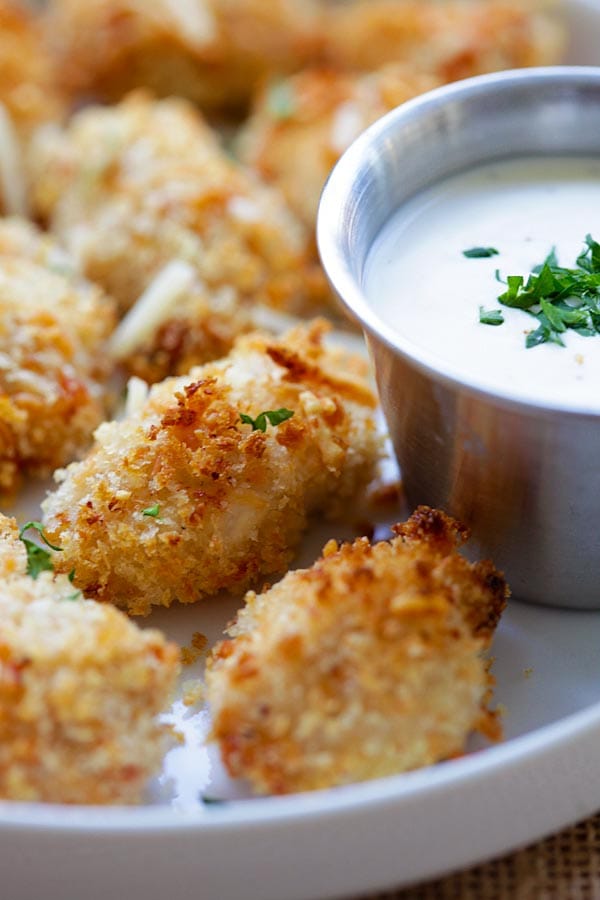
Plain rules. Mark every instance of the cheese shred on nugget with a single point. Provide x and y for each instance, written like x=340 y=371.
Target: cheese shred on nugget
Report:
x=209 y=484
x=132 y=188
x=81 y=688
x=367 y=664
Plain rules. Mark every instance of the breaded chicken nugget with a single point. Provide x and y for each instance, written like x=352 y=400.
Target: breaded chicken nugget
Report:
x=449 y=40
x=132 y=188
x=53 y=340
x=211 y=51
x=184 y=498
x=28 y=77
x=301 y=126
x=80 y=691
x=20 y=238
x=365 y=665
x=28 y=96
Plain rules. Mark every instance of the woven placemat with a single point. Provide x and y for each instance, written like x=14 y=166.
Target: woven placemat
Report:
x=564 y=867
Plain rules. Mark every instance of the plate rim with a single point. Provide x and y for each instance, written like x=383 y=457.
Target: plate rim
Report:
x=514 y=753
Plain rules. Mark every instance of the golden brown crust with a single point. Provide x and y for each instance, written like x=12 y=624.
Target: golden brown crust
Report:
x=233 y=502
x=365 y=665
x=52 y=357
x=300 y=127
x=80 y=691
x=131 y=188
x=108 y=47
x=443 y=535
x=451 y=40
x=28 y=77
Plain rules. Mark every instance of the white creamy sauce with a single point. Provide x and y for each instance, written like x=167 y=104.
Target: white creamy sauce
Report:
x=418 y=280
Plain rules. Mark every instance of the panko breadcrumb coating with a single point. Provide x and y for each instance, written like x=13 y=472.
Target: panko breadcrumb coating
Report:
x=28 y=76
x=211 y=51
x=53 y=339
x=301 y=126
x=80 y=691
x=178 y=324
x=28 y=96
x=134 y=187
x=450 y=40
x=183 y=499
x=365 y=665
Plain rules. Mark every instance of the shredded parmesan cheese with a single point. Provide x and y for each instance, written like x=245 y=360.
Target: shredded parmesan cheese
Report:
x=137 y=394
x=154 y=307
x=12 y=177
x=194 y=20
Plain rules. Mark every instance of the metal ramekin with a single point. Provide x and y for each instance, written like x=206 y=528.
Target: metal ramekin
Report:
x=524 y=477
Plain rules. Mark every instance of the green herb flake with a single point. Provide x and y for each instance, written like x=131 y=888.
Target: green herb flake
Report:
x=274 y=416
x=152 y=511
x=491 y=316
x=38 y=559
x=281 y=102
x=212 y=801
x=481 y=252
x=70 y=598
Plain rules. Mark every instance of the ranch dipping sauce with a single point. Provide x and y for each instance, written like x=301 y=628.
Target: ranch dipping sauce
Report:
x=419 y=281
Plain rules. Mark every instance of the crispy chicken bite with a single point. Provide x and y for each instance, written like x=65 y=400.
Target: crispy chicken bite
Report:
x=365 y=665
x=301 y=126
x=450 y=40
x=211 y=51
x=28 y=96
x=28 y=76
x=132 y=188
x=183 y=499
x=53 y=366
x=81 y=688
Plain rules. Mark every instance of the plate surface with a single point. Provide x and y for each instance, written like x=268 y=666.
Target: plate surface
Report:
x=352 y=840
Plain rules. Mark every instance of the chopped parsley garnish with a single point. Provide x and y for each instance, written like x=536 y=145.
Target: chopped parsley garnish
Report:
x=491 y=316
x=212 y=801
x=76 y=595
x=152 y=511
x=274 y=416
x=38 y=559
x=481 y=252
x=281 y=103
x=559 y=298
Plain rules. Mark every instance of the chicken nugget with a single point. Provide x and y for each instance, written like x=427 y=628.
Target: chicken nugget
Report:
x=209 y=485
x=301 y=126
x=211 y=51
x=81 y=688
x=53 y=367
x=450 y=40
x=365 y=665
x=29 y=96
x=28 y=76
x=132 y=188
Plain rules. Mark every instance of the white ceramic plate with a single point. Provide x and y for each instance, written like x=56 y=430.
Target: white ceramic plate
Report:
x=353 y=840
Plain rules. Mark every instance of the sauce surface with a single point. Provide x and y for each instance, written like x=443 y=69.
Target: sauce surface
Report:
x=418 y=280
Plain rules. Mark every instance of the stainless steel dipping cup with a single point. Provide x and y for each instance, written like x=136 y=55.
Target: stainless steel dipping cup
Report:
x=524 y=477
